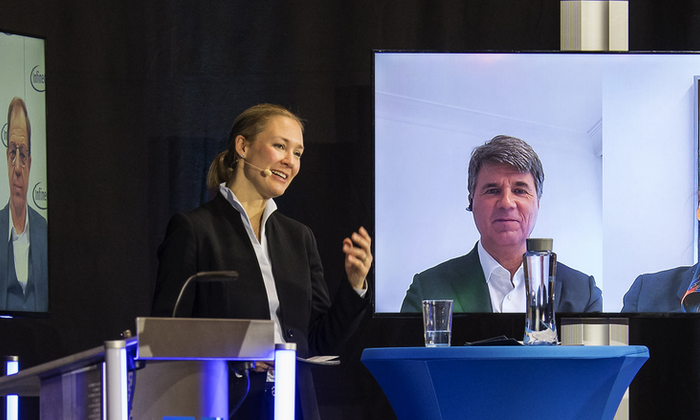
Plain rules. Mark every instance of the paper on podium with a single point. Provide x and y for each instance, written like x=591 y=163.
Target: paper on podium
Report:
x=321 y=360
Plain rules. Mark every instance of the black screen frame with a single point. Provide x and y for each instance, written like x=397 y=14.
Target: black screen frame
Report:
x=396 y=314
x=35 y=191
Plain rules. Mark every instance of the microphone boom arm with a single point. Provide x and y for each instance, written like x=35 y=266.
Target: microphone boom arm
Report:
x=205 y=277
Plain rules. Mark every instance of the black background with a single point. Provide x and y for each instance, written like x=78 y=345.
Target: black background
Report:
x=141 y=95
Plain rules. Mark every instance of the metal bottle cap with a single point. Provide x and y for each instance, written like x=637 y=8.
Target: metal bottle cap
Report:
x=539 y=244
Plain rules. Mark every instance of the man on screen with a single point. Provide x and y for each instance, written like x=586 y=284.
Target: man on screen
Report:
x=505 y=187
x=672 y=290
x=23 y=253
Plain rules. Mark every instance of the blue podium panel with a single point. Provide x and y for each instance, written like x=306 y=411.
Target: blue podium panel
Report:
x=542 y=382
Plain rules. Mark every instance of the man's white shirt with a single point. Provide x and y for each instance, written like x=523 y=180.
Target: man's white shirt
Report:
x=20 y=249
x=506 y=296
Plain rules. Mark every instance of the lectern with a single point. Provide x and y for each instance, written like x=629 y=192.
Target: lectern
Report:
x=174 y=367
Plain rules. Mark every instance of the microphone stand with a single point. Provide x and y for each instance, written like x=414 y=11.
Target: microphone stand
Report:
x=204 y=277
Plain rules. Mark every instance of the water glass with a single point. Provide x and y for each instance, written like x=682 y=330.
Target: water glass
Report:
x=437 y=322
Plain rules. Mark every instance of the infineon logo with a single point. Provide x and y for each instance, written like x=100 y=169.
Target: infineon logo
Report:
x=3 y=134
x=38 y=79
x=39 y=196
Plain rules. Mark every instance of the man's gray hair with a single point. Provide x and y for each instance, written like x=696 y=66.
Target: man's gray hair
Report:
x=508 y=150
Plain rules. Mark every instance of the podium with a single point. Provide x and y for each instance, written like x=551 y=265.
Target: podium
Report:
x=508 y=382
x=173 y=367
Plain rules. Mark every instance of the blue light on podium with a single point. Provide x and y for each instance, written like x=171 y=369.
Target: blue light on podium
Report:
x=285 y=373
x=12 y=401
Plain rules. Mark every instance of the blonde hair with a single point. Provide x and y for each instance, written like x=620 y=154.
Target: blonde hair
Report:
x=248 y=124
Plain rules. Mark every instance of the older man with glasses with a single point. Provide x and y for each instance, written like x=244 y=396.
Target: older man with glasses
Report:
x=23 y=253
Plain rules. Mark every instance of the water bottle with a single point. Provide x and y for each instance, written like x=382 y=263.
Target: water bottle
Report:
x=540 y=266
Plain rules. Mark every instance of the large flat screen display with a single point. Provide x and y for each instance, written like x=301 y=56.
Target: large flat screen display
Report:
x=616 y=134
x=24 y=288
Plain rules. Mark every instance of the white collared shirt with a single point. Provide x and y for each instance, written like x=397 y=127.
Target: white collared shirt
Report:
x=505 y=296
x=20 y=249
x=262 y=254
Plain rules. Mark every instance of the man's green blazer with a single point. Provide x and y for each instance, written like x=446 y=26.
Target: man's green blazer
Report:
x=462 y=280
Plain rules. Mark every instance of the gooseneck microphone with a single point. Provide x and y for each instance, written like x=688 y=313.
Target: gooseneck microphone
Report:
x=205 y=277
x=265 y=172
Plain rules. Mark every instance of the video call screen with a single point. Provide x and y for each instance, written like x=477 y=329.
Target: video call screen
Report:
x=23 y=188
x=616 y=134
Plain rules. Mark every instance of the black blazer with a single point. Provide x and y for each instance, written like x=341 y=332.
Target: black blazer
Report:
x=212 y=238
x=38 y=260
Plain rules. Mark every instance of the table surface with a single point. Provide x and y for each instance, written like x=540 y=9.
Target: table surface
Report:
x=501 y=352
x=503 y=382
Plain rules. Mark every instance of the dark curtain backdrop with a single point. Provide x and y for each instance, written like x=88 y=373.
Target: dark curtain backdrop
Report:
x=141 y=96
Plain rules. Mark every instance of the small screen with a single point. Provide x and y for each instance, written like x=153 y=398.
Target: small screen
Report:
x=23 y=190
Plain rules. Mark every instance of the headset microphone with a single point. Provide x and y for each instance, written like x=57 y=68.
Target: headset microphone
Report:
x=265 y=172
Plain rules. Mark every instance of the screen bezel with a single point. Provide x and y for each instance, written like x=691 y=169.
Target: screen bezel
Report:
x=375 y=53
x=10 y=314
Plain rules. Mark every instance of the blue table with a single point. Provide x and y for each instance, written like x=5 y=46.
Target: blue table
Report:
x=510 y=382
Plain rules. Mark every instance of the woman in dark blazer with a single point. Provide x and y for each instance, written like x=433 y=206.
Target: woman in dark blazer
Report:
x=280 y=272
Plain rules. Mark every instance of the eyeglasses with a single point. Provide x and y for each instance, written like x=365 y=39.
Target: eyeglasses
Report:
x=21 y=150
